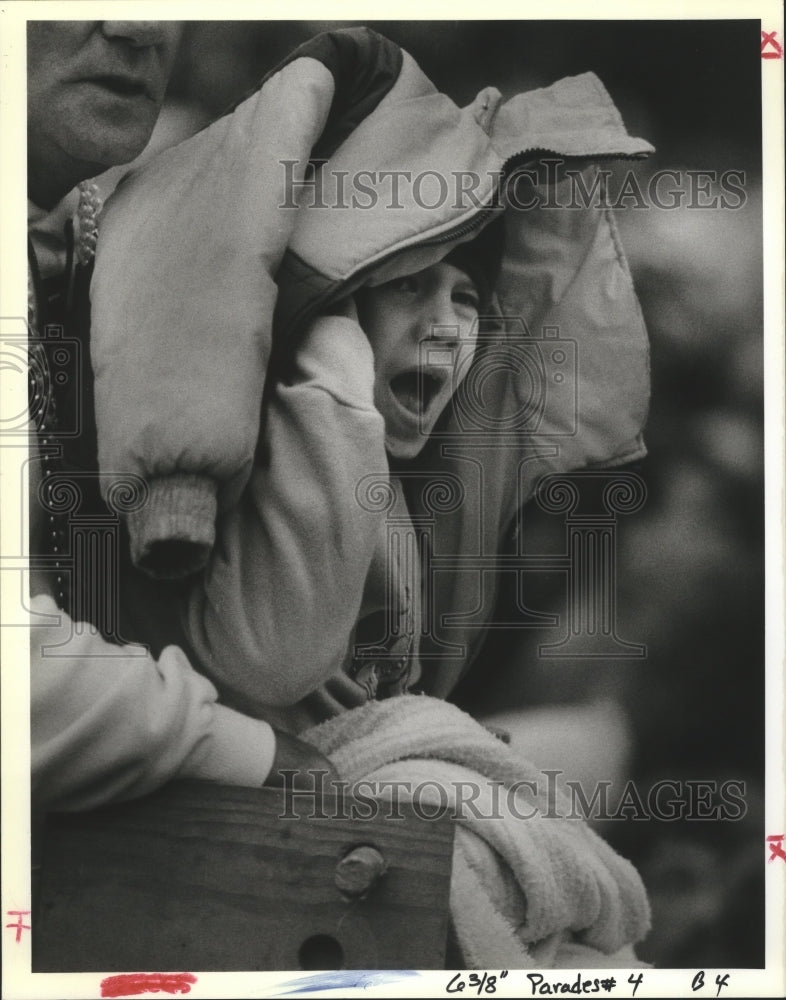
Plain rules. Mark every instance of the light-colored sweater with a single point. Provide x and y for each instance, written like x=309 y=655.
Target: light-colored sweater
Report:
x=110 y=722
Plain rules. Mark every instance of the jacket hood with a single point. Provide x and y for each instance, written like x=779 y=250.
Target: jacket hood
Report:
x=419 y=175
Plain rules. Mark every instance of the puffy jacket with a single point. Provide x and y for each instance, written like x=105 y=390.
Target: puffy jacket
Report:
x=201 y=249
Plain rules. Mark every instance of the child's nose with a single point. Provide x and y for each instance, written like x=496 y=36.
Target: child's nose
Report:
x=439 y=320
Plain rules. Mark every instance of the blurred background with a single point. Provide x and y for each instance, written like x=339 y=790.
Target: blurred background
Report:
x=691 y=561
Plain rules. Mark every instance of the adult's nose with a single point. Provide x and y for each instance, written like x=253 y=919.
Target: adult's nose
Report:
x=140 y=34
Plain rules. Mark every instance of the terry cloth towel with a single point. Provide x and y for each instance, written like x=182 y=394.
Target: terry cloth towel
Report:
x=531 y=888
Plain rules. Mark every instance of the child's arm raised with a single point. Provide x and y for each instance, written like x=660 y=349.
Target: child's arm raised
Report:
x=273 y=615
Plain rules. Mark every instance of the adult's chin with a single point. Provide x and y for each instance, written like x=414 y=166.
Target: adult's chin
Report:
x=115 y=130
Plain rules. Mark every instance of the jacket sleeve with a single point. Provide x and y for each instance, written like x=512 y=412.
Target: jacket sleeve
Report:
x=182 y=300
x=109 y=722
x=274 y=612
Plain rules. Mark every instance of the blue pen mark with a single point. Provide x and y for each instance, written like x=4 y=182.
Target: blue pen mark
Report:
x=349 y=979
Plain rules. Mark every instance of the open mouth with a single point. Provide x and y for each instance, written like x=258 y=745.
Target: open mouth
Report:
x=416 y=390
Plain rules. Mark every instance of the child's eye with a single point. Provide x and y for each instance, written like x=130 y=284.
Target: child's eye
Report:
x=466 y=298
x=407 y=283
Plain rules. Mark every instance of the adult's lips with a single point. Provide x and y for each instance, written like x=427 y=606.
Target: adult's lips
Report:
x=123 y=85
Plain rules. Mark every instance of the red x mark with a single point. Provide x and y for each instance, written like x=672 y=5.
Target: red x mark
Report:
x=776 y=846
x=768 y=38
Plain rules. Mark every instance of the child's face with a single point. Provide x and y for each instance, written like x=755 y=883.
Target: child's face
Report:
x=439 y=304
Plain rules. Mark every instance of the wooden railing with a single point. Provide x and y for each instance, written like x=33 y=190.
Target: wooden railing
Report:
x=214 y=878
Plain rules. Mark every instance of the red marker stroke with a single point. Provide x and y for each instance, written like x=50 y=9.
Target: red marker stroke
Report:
x=131 y=984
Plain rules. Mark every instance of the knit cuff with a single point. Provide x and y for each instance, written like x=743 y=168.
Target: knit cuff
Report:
x=240 y=751
x=172 y=534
